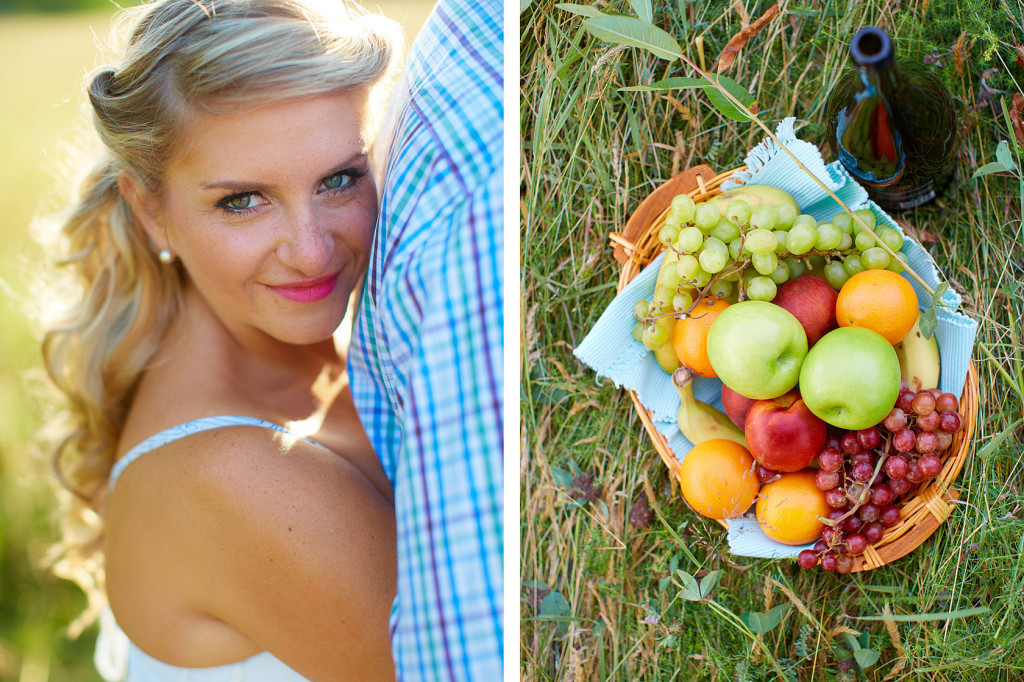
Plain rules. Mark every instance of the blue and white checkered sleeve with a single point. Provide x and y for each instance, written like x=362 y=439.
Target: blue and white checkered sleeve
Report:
x=448 y=623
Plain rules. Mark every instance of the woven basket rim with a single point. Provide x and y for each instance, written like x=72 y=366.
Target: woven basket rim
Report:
x=925 y=507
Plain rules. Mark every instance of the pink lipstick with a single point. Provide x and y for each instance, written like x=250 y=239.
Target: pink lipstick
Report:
x=308 y=292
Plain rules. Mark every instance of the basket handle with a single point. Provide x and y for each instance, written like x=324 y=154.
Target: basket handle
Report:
x=651 y=207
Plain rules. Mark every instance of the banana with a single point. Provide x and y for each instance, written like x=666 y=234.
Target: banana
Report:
x=697 y=420
x=755 y=195
x=919 y=359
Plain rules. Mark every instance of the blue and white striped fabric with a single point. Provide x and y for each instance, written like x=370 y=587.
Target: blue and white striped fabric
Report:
x=187 y=429
x=426 y=357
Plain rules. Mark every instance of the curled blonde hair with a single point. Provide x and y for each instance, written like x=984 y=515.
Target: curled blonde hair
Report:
x=181 y=56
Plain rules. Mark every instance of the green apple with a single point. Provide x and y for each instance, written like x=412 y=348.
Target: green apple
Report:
x=756 y=349
x=851 y=378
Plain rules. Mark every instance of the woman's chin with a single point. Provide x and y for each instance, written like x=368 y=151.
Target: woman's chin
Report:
x=307 y=335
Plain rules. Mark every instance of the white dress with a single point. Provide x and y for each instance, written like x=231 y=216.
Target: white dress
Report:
x=118 y=659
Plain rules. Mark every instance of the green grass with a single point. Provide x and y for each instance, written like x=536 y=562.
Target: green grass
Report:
x=45 y=63
x=590 y=154
x=45 y=60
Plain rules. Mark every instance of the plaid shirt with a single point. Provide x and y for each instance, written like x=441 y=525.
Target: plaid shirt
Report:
x=426 y=356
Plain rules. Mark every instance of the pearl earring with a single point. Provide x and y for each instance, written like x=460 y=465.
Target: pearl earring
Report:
x=165 y=256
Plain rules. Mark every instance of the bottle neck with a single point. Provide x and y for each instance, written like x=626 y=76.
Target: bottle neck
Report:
x=874 y=82
x=872 y=49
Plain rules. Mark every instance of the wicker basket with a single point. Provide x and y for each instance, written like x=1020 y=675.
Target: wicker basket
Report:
x=926 y=506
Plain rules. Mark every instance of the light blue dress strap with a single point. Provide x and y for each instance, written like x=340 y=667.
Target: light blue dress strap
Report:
x=187 y=429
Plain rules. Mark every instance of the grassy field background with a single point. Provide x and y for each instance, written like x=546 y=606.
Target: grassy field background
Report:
x=46 y=58
x=598 y=600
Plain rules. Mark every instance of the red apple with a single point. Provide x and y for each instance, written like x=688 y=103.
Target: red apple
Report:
x=736 y=406
x=812 y=301
x=783 y=434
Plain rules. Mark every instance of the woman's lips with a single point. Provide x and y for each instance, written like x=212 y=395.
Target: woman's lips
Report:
x=307 y=292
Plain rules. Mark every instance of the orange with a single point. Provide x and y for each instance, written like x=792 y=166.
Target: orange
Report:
x=788 y=507
x=717 y=478
x=690 y=336
x=879 y=300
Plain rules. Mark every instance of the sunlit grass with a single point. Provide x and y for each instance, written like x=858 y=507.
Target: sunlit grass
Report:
x=45 y=60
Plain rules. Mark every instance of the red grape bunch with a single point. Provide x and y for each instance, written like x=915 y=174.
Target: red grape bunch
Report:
x=865 y=474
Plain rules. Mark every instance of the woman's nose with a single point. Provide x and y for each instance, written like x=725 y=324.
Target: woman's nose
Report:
x=307 y=245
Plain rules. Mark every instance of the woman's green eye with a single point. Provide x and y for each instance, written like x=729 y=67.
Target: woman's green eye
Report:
x=335 y=181
x=241 y=202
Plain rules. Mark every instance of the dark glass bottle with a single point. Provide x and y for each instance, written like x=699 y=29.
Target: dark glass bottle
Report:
x=892 y=125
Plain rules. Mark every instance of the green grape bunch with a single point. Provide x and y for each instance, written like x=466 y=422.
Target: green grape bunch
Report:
x=728 y=249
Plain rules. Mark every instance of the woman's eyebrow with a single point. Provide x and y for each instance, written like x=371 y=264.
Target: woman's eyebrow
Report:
x=236 y=185
x=246 y=186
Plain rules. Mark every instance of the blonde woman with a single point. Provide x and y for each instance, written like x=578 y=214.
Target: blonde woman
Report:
x=246 y=525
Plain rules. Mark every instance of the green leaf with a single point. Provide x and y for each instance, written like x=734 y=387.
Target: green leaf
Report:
x=677 y=83
x=708 y=583
x=688 y=587
x=1003 y=155
x=1004 y=162
x=725 y=105
x=761 y=623
x=554 y=605
x=582 y=10
x=928 y=323
x=918 y=617
x=989 y=168
x=720 y=101
x=524 y=5
x=643 y=9
x=851 y=642
x=634 y=32
x=998 y=439
x=865 y=657
x=939 y=291
x=803 y=11
x=563 y=478
x=691 y=589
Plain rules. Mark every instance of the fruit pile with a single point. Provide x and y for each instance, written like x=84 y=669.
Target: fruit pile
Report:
x=830 y=416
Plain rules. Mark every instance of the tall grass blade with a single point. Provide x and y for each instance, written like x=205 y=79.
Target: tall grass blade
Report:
x=939 y=615
x=998 y=439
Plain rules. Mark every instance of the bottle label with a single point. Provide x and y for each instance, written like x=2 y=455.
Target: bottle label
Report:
x=912 y=201
x=905 y=198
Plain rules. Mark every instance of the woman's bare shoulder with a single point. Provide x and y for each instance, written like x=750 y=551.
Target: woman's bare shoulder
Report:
x=284 y=541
